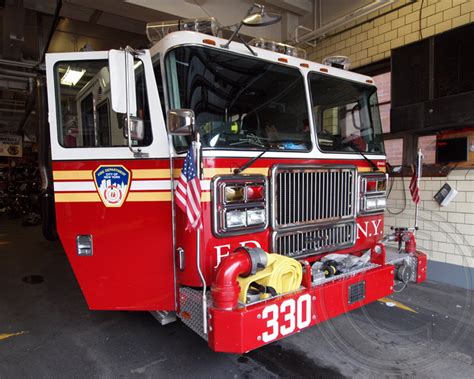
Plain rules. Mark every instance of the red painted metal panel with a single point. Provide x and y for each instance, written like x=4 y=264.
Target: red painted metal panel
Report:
x=244 y=329
x=422 y=266
x=132 y=263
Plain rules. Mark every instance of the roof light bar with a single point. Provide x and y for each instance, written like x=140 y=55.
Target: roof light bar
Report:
x=155 y=31
x=278 y=47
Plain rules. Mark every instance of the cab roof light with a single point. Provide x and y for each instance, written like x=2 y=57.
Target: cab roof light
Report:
x=155 y=31
x=337 y=61
x=278 y=47
x=208 y=41
x=305 y=65
x=284 y=60
x=323 y=69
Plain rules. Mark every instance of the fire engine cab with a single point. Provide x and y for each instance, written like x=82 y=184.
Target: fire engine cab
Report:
x=291 y=163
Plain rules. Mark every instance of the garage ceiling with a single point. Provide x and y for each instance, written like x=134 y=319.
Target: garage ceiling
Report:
x=105 y=24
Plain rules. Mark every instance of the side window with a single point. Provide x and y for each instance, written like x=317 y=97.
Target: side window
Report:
x=159 y=83
x=85 y=115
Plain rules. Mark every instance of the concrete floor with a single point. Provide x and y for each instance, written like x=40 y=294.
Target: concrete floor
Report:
x=59 y=337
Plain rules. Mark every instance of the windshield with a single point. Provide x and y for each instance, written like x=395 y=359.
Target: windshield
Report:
x=346 y=115
x=239 y=102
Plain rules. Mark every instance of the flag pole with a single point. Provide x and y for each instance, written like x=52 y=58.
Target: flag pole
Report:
x=419 y=159
x=197 y=154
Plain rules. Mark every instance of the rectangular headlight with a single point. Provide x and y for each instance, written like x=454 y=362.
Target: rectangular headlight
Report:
x=381 y=203
x=235 y=219
x=255 y=216
x=370 y=204
x=240 y=204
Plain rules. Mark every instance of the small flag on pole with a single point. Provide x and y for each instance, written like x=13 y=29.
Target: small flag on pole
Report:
x=415 y=179
x=188 y=192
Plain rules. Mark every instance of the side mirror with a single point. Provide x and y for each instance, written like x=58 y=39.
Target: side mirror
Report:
x=122 y=82
x=180 y=122
x=137 y=129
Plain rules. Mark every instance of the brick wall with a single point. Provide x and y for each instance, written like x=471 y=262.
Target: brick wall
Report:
x=372 y=41
x=446 y=233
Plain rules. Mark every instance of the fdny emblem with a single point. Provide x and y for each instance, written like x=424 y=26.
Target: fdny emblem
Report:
x=112 y=183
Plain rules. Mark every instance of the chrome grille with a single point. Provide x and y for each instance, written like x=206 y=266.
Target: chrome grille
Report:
x=314 y=240
x=305 y=195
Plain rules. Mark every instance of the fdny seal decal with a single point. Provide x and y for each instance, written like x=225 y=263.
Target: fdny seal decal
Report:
x=112 y=183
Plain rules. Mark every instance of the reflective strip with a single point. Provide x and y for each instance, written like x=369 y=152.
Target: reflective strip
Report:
x=205 y=197
x=149 y=196
x=72 y=175
x=76 y=197
x=74 y=186
x=369 y=169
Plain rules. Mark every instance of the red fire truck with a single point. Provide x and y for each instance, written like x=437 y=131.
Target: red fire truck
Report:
x=291 y=163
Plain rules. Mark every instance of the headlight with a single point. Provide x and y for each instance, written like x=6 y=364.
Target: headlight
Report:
x=239 y=204
x=256 y=217
x=372 y=193
x=235 y=219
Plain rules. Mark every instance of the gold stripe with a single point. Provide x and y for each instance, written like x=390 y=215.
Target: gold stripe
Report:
x=78 y=197
x=72 y=174
x=210 y=172
x=149 y=196
x=205 y=197
x=369 y=169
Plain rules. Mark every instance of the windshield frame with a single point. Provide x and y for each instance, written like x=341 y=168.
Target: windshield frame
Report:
x=168 y=93
x=315 y=127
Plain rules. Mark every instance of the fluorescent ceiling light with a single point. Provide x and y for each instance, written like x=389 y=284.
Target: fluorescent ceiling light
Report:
x=138 y=64
x=72 y=76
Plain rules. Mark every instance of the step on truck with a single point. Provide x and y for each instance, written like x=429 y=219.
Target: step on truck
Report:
x=291 y=165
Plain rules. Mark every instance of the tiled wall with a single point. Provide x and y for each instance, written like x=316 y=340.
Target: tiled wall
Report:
x=446 y=233
x=372 y=41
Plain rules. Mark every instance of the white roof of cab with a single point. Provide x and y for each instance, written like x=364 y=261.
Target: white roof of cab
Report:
x=194 y=38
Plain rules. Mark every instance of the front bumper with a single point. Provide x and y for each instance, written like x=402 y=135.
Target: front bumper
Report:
x=249 y=327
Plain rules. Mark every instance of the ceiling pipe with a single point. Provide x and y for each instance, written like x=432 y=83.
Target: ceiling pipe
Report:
x=30 y=106
x=17 y=74
x=341 y=21
x=54 y=25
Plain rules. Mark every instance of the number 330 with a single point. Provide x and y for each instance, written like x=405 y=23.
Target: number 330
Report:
x=294 y=313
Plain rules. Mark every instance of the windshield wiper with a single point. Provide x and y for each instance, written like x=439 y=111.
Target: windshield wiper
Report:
x=356 y=149
x=250 y=162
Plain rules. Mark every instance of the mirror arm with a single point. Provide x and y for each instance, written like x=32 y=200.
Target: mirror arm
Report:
x=136 y=152
x=236 y=31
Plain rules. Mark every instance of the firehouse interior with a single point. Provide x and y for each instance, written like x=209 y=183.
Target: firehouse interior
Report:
x=208 y=188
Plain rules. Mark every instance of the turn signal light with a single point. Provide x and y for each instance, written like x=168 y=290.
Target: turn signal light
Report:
x=234 y=194
x=371 y=186
x=255 y=193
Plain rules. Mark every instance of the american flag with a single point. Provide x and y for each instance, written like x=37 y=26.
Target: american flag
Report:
x=188 y=192
x=414 y=190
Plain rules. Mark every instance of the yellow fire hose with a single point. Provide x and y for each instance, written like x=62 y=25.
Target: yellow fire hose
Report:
x=282 y=273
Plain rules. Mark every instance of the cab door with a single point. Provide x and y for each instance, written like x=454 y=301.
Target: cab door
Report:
x=112 y=193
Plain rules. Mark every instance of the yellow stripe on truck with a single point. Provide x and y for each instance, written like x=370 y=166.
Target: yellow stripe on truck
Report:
x=77 y=197
x=72 y=175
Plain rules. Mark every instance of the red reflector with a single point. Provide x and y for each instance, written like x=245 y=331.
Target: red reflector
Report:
x=255 y=192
